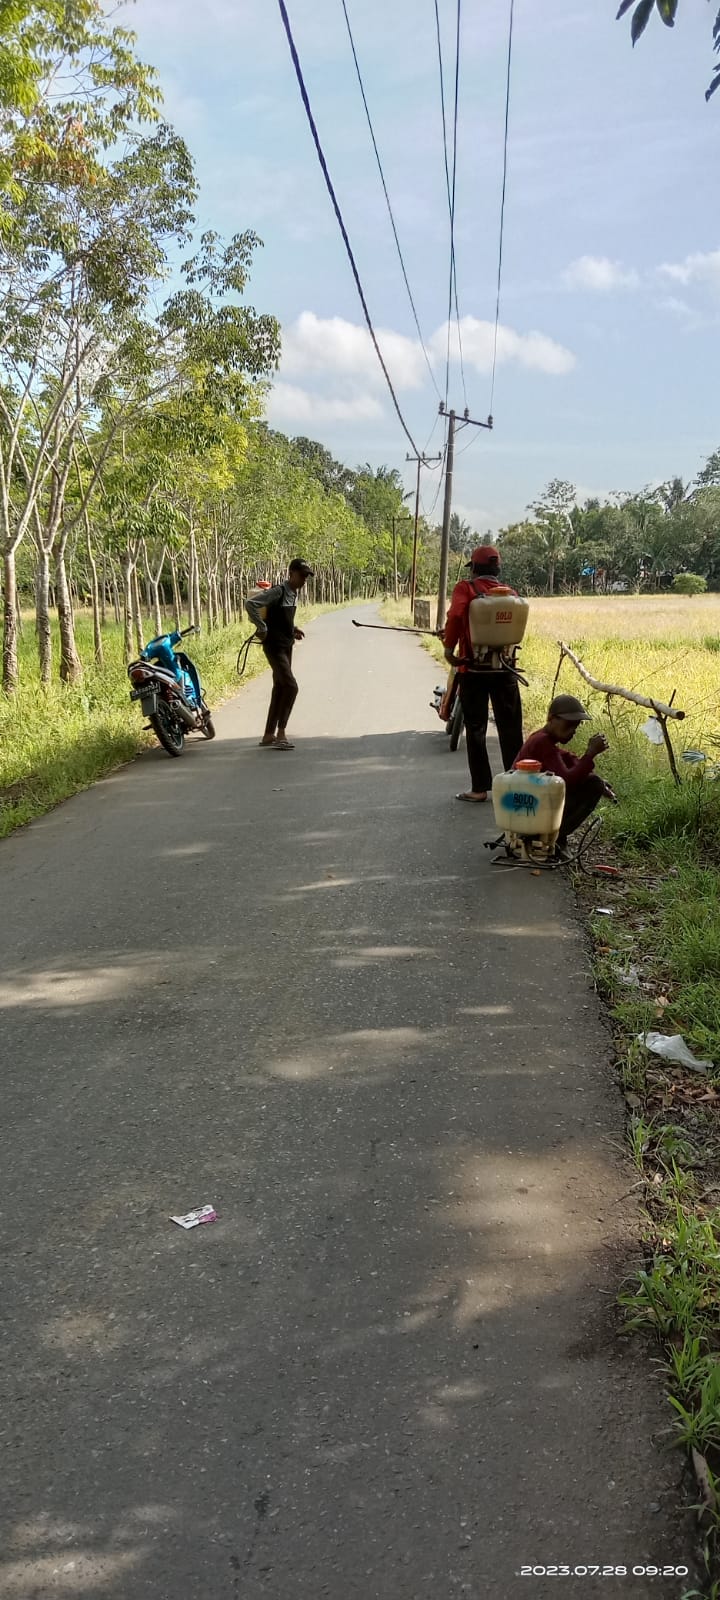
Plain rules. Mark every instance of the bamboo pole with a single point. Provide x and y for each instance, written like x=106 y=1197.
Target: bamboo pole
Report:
x=657 y=706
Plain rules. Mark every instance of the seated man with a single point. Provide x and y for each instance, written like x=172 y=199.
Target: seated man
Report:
x=583 y=786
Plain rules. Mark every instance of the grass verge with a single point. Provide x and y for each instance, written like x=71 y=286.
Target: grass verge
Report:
x=56 y=741
x=657 y=965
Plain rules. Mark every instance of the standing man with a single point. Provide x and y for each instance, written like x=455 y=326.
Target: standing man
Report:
x=583 y=785
x=478 y=688
x=278 y=633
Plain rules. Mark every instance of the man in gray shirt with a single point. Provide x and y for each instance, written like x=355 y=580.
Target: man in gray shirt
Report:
x=278 y=634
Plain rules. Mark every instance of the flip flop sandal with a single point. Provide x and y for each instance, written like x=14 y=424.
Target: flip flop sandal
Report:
x=281 y=744
x=471 y=799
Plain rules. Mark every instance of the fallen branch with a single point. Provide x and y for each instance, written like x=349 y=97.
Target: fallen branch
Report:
x=657 y=706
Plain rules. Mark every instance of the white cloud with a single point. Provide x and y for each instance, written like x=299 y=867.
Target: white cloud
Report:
x=332 y=345
x=702 y=268
x=289 y=403
x=599 y=274
x=533 y=350
x=675 y=306
x=339 y=355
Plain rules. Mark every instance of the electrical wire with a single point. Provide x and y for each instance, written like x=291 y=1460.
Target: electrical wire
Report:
x=450 y=187
x=336 y=207
x=387 y=199
x=428 y=514
x=508 y=82
x=431 y=465
x=453 y=259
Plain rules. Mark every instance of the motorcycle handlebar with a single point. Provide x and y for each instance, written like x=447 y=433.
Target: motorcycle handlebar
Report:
x=185 y=631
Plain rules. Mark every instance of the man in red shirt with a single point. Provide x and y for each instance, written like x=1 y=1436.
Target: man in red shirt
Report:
x=478 y=688
x=583 y=786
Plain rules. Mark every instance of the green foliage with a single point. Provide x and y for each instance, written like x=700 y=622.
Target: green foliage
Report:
x=689 y=583
x=627 y=543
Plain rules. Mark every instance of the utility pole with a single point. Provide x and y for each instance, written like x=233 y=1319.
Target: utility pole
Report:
x=465 y=421
x=422 y=461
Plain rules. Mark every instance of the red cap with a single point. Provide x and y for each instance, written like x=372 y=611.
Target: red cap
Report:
x=484 y=552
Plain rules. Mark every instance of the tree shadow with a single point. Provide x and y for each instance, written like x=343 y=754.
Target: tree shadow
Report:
x=391 y=1368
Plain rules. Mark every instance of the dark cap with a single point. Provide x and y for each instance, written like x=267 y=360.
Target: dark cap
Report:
x=483 y=554
x=569 y=709
x=301 y=566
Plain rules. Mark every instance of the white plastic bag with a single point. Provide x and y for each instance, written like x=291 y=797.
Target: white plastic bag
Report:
x=652 y=730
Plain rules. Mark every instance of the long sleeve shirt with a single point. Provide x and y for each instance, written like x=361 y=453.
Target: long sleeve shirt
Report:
x=457 y=626
x=540 y=747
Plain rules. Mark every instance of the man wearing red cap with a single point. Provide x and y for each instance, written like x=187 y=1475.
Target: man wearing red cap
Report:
x=478 y=689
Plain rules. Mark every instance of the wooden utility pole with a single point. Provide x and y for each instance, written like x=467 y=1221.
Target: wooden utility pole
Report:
x=465 y=421
x=422 y=461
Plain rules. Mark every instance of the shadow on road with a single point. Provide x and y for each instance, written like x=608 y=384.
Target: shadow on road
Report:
x=390 y=1368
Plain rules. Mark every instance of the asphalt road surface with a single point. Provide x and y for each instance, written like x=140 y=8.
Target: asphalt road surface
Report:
x=292 y=986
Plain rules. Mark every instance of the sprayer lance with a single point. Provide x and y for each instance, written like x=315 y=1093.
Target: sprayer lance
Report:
x=388 y=627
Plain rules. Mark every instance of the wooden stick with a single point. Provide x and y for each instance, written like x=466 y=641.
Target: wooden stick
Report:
x=557 y=674
x=668 y=746
x=625 y=694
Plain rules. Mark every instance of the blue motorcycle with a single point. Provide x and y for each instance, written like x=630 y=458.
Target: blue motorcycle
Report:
x=167 y=684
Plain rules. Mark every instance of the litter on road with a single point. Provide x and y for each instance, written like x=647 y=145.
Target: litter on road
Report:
x=193 y=1219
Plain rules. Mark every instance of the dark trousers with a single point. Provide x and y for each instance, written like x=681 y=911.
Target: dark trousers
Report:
x=580 y=801
x=285 y=688
x=476 y=693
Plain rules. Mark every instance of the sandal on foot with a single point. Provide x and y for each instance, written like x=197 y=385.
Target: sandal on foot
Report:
x=282 y=744
x=472 y=799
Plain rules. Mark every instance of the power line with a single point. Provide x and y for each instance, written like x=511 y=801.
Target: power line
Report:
x=339 y=216
x=453 y=260
x=450 y=187
x=387 y=198
x=502 y=201
x=431 y=436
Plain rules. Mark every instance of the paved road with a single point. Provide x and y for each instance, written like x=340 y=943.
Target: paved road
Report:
x=292 y=986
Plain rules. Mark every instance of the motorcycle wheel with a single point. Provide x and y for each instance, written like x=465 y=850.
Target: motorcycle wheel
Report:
x=457 y=724
x=167 y=730
x=208 y=728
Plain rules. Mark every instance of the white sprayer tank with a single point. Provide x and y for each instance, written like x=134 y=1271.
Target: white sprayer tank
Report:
x=497 y=620
x=528 y=802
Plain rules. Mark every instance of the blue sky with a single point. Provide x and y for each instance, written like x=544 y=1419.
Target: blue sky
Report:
x=611 y=303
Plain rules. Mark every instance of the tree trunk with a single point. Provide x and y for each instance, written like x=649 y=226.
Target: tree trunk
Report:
x=198 y=596
x=10 y=660
x=42 y=615
x=191 y=566
x=136 y=611
x=70 y=664
x=95 y=595
x=177 y=602
x=103 y=593
x=551 y=577
x=157 y=614
x=117 y=613
x=127 y=578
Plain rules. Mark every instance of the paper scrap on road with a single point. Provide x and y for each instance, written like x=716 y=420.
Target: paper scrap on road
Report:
x=193 y=1219
x=672 y=1047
